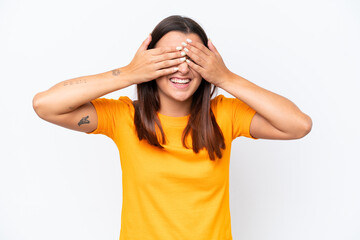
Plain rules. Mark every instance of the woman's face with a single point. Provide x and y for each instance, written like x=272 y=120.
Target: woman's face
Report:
x=168 y=90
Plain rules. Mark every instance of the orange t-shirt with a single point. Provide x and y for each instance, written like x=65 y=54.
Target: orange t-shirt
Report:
x=173 y=193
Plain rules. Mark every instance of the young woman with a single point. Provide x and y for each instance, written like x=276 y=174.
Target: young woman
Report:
x=175 y=140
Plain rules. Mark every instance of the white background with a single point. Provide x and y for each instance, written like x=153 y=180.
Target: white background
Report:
x=60 y=184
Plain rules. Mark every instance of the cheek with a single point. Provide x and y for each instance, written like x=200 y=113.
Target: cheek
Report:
x=198 y=77
x=160 y=80
x=161 y=83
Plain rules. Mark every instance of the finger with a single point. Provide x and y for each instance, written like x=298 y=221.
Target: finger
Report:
x=145 y=43
x=168 y=56
x=194 y=53
x=162 y=50
x=196 y=67
x=199 y=46
x=166 y=71
x=212 y=47
x=169 y=63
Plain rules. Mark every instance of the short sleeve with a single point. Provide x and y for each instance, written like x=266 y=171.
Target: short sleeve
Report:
x=109 y=112
x=240 y=115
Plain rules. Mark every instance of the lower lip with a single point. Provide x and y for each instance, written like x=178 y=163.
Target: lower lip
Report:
x=177 y=85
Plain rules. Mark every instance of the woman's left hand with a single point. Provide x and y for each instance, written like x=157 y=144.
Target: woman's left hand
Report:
x=207 y=62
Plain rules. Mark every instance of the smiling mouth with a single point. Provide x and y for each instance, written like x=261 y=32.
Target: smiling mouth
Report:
x=180 y=80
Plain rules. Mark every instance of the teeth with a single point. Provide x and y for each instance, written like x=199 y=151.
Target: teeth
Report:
x=176 y=80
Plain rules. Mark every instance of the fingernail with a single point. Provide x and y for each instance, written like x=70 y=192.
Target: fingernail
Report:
x=184 y=44
x=183 y=53
x=188 y=40
x=183 y=59
x=187 y=60
x=186 y=50
x=178 y=48
x=175 y=69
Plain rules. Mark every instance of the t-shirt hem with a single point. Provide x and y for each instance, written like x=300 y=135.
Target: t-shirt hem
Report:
x=251 y=116
x=97 y=129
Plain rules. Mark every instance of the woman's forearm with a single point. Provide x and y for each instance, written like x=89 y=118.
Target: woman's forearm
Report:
x=277 y=110
x=68 y=95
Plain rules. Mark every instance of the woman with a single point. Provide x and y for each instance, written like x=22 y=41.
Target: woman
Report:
x=175 y=141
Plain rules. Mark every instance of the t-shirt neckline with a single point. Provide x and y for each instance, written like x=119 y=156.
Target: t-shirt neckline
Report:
x=173 y=121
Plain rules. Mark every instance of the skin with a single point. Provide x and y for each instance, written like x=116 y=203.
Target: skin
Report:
x=67 y=103
x=174 y=101
x=276 y=117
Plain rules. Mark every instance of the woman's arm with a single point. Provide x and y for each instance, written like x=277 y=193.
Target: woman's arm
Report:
x=276 y=117
x=68 y=103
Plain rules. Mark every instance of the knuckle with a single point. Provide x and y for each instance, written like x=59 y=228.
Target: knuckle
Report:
x=151 y=52
x=167 y=63
x=152 y=60
x=173 y=62
x=195 y=50
x=169 y=55
x=163 y=64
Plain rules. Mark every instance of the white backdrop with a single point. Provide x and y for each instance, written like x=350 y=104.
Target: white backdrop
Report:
x=60 y=184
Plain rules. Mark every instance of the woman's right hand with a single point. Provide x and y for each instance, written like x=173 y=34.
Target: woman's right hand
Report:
x=150 y=64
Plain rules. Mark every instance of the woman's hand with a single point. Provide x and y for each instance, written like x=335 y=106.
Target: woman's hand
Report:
x=207 y=62
x=151 y=64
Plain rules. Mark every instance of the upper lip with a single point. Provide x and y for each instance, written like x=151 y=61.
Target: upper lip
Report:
x=180 y=77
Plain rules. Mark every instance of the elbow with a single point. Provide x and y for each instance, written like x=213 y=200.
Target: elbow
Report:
x=304 y=127
x=37 y=105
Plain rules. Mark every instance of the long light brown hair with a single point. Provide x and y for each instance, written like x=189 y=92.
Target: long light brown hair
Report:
x=202 y=125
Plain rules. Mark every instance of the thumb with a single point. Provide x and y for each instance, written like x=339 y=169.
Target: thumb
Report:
x=145 y=43
x=212 y=47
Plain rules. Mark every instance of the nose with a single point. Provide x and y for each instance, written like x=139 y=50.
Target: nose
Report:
x=184 y=68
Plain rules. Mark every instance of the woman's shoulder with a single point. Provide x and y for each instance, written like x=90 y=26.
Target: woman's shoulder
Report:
x=221 y=104
x=122 y=103
x=220 y=100
x=217 y=98
x=126 y=100
x=216 y=104
x=225 y=101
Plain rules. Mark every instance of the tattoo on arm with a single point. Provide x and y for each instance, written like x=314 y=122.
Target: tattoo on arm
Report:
x=84 y=120
x=116 y=72
x=72 y=82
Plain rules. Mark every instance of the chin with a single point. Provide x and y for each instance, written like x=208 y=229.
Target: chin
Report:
x=182 y=97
